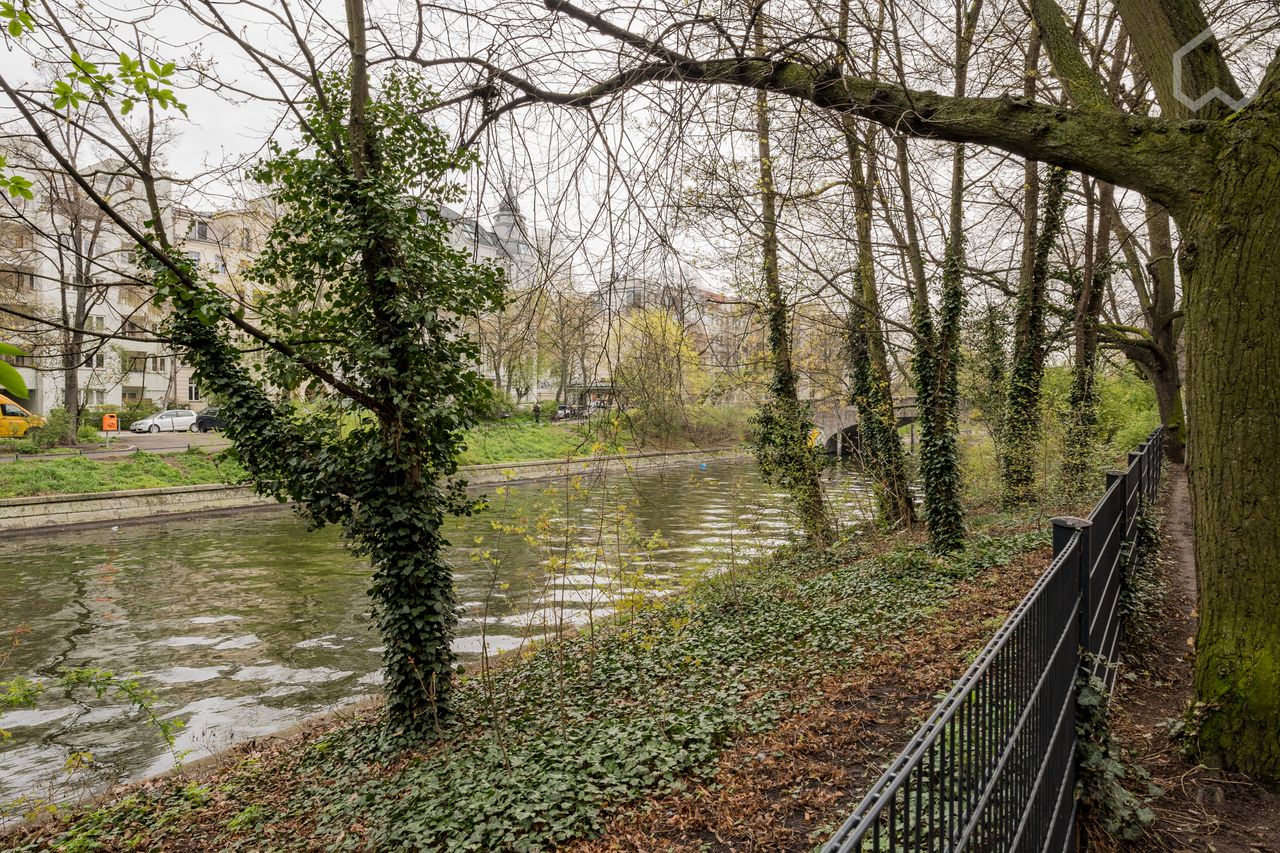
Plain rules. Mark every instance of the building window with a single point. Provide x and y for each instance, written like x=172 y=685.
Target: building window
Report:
x=246 y=240
x=193 y=393
x=158 y=363
x=95 y=397
x=20 y=280
x=96 y=360
x=202 y=229
x=194 y=257
x=95 y=323
x=222 y=264
x=18 y=360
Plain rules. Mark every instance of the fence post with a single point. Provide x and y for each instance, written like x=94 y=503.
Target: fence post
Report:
x=1114 y=477
x=1064 y=527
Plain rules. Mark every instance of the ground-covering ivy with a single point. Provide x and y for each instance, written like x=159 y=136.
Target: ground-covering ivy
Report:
x=542 y=750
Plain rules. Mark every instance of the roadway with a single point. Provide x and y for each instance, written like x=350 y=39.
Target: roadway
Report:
x=171 y=442
x=160 y=442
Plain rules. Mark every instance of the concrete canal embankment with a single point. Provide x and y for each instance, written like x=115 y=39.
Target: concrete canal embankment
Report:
x=45 y=512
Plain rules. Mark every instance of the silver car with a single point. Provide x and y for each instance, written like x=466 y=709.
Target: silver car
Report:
x=170 y=420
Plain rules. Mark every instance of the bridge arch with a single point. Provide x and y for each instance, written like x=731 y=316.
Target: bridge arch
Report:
x=836 y=431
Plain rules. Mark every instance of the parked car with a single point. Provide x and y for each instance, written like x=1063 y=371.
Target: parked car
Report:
x=170 y=420
x=15 y=421
x=210 y=419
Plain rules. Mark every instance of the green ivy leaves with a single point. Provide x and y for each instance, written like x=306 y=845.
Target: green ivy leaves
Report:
x=360 y=282
x=134 y=81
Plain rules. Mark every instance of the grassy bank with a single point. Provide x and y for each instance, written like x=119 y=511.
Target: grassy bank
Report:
x=548 y=747
x=514 y=440
x=78 y=474
x=518 y=439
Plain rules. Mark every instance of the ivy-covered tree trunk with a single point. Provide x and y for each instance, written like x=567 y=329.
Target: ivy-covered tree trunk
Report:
x=363 y=293
x=936 y=360
x=994 y=371
x=1231 y=265
x=940 y=519
x=1083 y=401
x=871 y=382
x=781 y=428
x=1026 y=374
x=401 y=527
x=937 y=380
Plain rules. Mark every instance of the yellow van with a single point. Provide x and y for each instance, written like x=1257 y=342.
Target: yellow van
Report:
x=15 y=421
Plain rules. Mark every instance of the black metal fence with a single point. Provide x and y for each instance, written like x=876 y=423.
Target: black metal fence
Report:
x=993 y=769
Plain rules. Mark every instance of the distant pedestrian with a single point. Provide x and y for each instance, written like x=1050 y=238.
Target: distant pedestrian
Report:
x=537 y=412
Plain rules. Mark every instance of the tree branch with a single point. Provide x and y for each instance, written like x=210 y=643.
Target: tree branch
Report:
x=1083 y=85
x=1166 y=160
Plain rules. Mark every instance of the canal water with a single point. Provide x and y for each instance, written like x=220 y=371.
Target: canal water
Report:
x=246 y=623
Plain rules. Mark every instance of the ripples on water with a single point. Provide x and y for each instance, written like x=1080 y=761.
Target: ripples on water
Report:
x=247 y=623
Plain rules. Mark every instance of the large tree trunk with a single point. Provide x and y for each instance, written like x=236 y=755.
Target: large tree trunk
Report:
x=72 y=357
x=937 y=355
x=1231 y=266
x=1154 y=349
x=873 y=386
x=1167 y=383
x=1165 y=326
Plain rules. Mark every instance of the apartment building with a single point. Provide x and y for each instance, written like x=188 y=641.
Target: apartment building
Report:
x=71 y=296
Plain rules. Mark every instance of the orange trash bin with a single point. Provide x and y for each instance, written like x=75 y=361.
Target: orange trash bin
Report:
x=110 y=423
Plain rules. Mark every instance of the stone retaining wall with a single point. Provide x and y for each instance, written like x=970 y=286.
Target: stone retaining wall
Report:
x=26 y=515
x=50 y=511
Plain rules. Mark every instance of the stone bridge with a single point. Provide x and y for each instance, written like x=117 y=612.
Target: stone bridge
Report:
x=837 y=431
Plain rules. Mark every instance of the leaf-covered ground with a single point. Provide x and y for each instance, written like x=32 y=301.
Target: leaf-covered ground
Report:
x=651 y=712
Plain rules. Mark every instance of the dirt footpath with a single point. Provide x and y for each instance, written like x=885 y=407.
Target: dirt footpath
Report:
x=1202 y=809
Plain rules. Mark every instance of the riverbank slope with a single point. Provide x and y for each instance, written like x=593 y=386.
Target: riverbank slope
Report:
x=586 y=727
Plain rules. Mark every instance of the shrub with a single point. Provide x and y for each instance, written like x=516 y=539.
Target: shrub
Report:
x=495 y=403
x=88 y=431
x=55 y=431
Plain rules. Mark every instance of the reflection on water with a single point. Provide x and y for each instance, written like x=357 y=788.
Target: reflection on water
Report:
x=246 y=623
